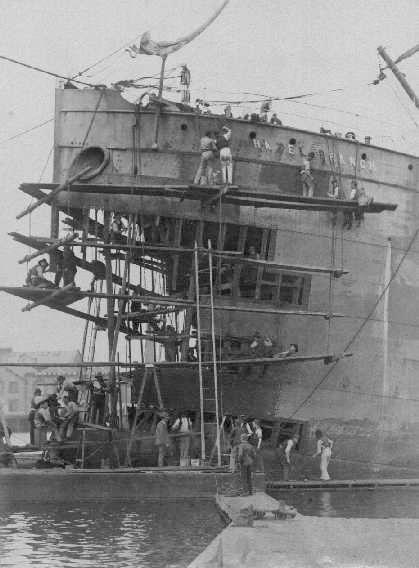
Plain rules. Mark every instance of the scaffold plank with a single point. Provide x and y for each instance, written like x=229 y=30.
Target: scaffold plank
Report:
x=234 y=195
x=233 y=256
x=175 y=301
x=326 y=358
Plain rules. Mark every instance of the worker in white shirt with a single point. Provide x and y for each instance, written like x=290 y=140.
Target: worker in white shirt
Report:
x=223 y=145
x=183 y=427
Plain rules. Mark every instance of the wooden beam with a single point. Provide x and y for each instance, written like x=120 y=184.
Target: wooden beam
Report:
x=233 y=256
x=35 y=242
x=174 y=301
x=79 y=314
x=61 y=242
x=146 y=316
x=280 y=266
x=154 y=337
x=154 y=248
x=58 y=292
x=48 y=198
x=326 y=358
x=243 y=195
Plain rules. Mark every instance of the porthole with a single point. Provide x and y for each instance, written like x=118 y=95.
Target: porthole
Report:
x=292 y=141
x=252 y=135
x=184 y=127
x=410 y=167
x=363 y=157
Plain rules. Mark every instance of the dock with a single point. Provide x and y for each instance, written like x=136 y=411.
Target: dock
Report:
x=58 y=485
x=342 y=483
x=269 y=540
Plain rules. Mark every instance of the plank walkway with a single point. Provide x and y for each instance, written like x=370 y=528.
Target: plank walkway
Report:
x=342 y=483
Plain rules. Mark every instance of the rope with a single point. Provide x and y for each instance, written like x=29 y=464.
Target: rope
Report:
x=407 y=109
x=93 y=118
x=361 y=327
x=46 y=72
x=26 y=131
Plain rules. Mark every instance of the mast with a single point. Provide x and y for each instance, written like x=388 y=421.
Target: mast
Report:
x=398 y=74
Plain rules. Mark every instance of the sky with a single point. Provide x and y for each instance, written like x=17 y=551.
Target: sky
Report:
x=273 y=48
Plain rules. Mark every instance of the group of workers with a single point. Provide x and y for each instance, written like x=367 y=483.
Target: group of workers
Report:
x=212 y=145
x=181 y=430
x=56 y=415
x=245 y=454
x=59 y=413
x=357 y=194
x=244 y=442
x=202 y=107
x=258 y=346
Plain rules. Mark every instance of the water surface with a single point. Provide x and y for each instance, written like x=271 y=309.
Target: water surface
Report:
x=152 y=534
x=380 y=503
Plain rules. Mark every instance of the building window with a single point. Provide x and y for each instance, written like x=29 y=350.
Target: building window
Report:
x=13 y=405
x=13 y=387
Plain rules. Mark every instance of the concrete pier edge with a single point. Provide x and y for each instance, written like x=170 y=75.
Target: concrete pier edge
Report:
x=307 y=541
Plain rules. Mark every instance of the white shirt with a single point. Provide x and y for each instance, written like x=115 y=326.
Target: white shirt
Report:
x=83 y=399
x=182 y=424
x=258 y=434
x=289 y=446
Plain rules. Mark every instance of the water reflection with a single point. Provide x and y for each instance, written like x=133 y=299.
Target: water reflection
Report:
x=144 y=535
x=325 y=502
x=402 y=502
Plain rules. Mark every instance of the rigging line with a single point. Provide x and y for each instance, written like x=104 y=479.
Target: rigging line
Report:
x=84 y=71
x=293 y=97
x=102 y=73
x=357 y=241
x=361 y=327
x=26 y=131
x=157 y=75
x=93 y=118
x=46 y=72
x=401 y=103
x=358 y=115
x=46 y=164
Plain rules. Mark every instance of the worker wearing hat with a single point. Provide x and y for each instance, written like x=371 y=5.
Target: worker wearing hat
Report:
x=98 y=399
x=162 y=440
x=247 y=459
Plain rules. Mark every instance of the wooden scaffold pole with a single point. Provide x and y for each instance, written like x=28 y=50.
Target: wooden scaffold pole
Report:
x=117 y=326
x=214 y=354
x=198 y=328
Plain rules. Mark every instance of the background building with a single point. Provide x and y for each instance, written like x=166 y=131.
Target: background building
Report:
x=18 y=383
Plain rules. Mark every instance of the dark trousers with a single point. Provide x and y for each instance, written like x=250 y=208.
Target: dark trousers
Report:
x=98 y=410
x=68 y=276
x=246 y=478
x=32 y=432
